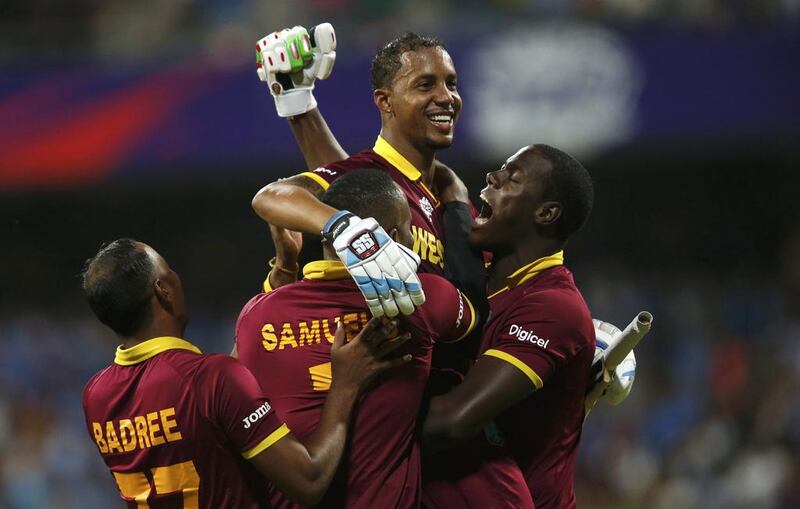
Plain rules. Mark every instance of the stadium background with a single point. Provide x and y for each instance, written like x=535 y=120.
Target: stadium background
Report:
x=146 y=119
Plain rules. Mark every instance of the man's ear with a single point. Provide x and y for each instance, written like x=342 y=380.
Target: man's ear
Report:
x=382 y=98
x=548 y=213
x=164 y=295
x=394 y=233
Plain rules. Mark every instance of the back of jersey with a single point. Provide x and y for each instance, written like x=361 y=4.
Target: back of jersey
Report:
x=158 y=417
x=285 y=339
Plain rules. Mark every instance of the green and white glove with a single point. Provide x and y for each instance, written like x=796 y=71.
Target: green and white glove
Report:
x=291 y=60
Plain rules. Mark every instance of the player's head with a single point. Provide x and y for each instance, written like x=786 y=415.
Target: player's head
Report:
x=129 y=285
x=540 y=191
x=414 y=87
x=373 y=193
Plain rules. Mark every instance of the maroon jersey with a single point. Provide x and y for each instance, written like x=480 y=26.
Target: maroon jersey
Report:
x=541 y=324
x=476 y=475
x=285 y=336
x=174 y=425
x=426 y=212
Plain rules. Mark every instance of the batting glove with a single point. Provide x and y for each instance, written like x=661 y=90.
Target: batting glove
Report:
x=385 y=271
x=621 y=380
x=290 y=60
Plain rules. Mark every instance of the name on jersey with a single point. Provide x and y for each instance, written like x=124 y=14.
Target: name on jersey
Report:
x=291 y=335
x=527 y=336
x=427 y=246
x=139 y=432
x=257 y=414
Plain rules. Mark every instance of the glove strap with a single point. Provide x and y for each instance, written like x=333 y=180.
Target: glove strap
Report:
x=336 y=224
x=295 y=102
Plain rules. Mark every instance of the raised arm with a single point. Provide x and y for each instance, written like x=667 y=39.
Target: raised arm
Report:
x=315 y=139
x=294 y=204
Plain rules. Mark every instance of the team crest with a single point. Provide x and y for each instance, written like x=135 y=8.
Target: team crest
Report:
x=426 y=207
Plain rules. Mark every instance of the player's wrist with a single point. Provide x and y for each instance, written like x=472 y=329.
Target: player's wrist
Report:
x=295 y=102
x=338 y=223
x=283 y=265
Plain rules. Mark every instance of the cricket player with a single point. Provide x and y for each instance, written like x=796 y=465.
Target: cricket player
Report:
x=284 y=338
x=177 y=428
x=527 y=388
x=415 y=90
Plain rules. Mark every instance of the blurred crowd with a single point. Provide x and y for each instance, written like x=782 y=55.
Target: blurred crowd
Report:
x=713 y=420
x=118 y=29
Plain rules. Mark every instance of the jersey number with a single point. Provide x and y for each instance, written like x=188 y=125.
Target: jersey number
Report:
x=178 y=478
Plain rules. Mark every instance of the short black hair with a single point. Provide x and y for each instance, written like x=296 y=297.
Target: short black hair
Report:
x=366 y=192
x=570 y=184
x=117 y=282
x=387 y=62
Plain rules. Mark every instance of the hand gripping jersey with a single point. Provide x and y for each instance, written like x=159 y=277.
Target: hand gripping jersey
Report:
x=541 y=324
x=426 y=213
x=176 y=427
x=285 y=336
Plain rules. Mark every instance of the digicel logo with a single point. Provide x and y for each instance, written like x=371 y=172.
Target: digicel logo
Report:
x=527 y=336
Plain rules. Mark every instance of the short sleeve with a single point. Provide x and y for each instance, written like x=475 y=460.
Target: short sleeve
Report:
x=234 y=401
x=538 y=338
x=325 y=175
x=447 y=311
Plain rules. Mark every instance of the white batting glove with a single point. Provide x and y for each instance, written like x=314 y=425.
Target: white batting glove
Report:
x=621 y=380
x=291 y=60
x=385 y=271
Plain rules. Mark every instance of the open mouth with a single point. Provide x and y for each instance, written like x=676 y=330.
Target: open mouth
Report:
x=486 y=212
x=443 y=120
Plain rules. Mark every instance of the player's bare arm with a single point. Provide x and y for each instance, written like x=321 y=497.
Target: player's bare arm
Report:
x=293 y=203
x=315 y=139
x=304 y=472
x=284 y=267
x=490 y=387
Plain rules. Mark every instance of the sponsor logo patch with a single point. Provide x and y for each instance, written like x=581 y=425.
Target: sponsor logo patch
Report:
x=364 y=245
x=527 y=336
x=257 y=414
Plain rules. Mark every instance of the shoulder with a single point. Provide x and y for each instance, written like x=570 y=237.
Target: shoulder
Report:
x=264 y=302
x=555 y=290
x=433 y=281
x=93 y=382
x=438 y=290
x=353 y=162
x=217 y=369
x=559 y=306
x=255 y=303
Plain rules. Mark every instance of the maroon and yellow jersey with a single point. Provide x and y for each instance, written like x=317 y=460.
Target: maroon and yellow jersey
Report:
x=176 y=427
x=285 y=337
x=540 y=324
x=426 y=212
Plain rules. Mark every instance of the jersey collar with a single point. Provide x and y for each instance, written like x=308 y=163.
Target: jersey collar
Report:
x=531 y=270
x=396 y=159
x=150 y=348
x=325 y=269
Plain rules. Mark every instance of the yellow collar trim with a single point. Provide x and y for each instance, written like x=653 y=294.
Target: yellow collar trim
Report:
x=150 y=348
x=325 y=269
x=396 y=159
x=531 y=270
